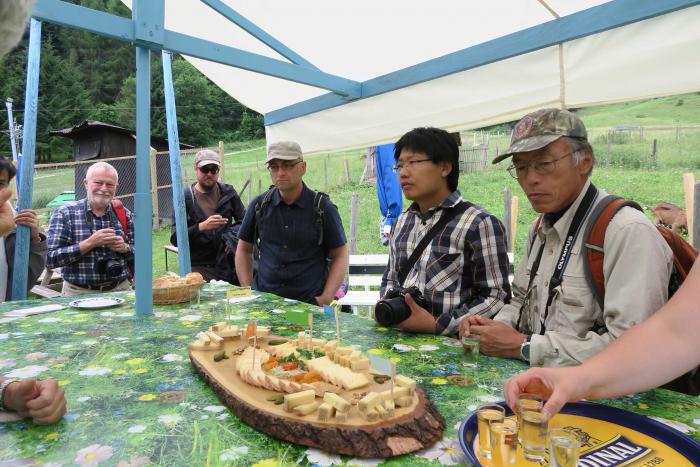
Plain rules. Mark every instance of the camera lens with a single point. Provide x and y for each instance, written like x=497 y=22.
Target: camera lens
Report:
x=113 y=267
x=391 y=311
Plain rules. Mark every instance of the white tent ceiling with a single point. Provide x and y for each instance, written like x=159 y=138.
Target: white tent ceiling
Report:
x=366 y=39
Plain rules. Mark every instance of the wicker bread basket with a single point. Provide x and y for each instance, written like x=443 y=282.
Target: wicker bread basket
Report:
x=177 y=290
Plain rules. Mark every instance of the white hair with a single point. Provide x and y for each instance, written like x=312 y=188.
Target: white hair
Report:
x=101 y=165
x=13 y=21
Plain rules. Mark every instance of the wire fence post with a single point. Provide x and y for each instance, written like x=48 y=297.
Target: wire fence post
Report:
x=222 y=172
x=353 y=223
x=154 y=189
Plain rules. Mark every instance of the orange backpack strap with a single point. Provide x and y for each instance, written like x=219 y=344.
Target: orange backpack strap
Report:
x=594 y=242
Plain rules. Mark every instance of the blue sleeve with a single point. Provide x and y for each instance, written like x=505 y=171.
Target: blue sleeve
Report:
x=333 y=231
x=247 y=229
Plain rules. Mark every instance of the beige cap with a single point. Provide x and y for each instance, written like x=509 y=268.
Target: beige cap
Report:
x=284 y=150
x=206 y=157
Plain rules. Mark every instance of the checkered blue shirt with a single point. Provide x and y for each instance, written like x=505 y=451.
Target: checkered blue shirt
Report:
x=464 y=269
x=67 y=228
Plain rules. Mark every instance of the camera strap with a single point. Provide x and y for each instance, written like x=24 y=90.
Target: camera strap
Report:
x=447 y=215
x=89 y=218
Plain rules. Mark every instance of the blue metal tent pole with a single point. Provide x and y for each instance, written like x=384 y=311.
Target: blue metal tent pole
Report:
x=31 y=98
x=183 y=243
x=143 y=207
x=13 y=137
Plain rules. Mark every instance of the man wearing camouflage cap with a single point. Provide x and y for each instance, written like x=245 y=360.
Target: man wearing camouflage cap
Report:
x=554 y=318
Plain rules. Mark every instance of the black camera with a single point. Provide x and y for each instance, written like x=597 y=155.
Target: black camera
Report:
x=392 y=309
x=109 y=266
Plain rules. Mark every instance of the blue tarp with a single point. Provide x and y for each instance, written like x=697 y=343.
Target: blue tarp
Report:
x=388 y=190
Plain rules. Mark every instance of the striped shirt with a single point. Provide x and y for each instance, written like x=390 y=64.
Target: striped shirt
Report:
x=68 y=227
x=463 y=271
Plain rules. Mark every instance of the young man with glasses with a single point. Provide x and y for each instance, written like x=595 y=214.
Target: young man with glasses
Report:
x=298 y=233
x=463 y=270
x=214 y=213
x=554 y=318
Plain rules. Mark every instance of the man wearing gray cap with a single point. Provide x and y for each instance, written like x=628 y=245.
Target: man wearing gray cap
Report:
x=554 y=318
x=214 y=213
x=298 y=233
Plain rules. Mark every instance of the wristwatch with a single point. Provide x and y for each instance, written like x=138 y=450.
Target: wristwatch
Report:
x=525 y=349
x=3 y=386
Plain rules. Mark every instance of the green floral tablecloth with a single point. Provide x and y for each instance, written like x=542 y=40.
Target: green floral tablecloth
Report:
x=134 y=399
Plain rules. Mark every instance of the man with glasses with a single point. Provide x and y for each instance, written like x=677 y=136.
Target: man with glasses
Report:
x=214 y=214
x=463 y=270
x=298 y=233
x=554 y=318
x=87 y=241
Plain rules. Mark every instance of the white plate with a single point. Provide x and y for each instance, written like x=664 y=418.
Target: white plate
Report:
x=96 y=302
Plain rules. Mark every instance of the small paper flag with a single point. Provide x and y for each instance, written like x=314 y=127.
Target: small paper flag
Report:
x=235 y=292
x=297 y=317
x=329 y=311
x=382 y=365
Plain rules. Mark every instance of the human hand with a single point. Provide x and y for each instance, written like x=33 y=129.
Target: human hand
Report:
x=420 y=320
x=7 y=214
x=468 y=321
x=557 y=385
x=324 y=299
x=497 y=339
x=43 y=401
x=102 y=237
x=118 y=245
x=213 y=222
x=28 y=217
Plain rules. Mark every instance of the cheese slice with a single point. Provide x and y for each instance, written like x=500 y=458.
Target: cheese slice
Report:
x=298 y=398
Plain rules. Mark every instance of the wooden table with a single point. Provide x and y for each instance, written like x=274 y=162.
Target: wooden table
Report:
x=133 y=395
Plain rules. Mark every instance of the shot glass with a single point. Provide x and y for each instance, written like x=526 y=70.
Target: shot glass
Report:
x=504 y=442
x=470 y=352
x=527 y=402
x=533 y=435
x=486 y=414
x=564 y=448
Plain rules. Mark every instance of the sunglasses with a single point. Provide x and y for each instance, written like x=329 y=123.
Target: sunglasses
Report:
x=209 y=169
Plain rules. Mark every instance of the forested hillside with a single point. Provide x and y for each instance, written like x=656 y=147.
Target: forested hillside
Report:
x=89 y=77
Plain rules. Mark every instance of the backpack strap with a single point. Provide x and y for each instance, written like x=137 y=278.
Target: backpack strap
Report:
x=318 y=209
x=189 y=200
x=594 y=241
x=260 y=207
x=120 y=211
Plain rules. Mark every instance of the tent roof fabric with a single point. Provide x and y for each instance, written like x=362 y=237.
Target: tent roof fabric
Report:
x=372 y=40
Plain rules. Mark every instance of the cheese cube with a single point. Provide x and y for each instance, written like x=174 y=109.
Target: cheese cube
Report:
x=405 y=401
x=398 y=392
x=306 y=409
x=203 y=337
x=325 y=411
x=341 y=417
x=390 y=408
x=371 y=416
x=337 y=402
x=370 y=401
x=215 y=338
x=360 y=365
x=405 y=381
x=381 y=411
x=298 y=398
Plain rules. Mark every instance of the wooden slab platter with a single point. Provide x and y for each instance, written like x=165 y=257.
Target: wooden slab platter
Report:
x=352 y=412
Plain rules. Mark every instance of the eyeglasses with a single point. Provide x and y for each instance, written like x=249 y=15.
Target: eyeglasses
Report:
x=209 y=169
x=286 y=166
x=519 y=170
x=410 y=165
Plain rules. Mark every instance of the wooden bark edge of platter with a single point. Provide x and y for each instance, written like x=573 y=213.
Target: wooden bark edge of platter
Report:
x=420 y=429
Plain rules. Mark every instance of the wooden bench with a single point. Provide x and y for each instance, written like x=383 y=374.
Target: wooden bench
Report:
x=44 y=292
x=364 y=271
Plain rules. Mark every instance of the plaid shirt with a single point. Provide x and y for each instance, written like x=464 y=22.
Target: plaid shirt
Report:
x=463 y=271
x=68 y=227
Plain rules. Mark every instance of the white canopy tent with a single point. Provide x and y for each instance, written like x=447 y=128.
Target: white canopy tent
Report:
x=450 y=63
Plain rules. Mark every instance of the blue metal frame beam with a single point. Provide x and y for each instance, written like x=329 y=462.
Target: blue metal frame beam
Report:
x=252 y=29
x=214 y=52
x=143 y=206
x=149 y=22
x=183 y=242
x=584 y=23
x=59 y=12
x=85 y=19
x=26 y=171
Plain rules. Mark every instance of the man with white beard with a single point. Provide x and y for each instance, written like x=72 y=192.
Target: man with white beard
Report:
x=87 y=239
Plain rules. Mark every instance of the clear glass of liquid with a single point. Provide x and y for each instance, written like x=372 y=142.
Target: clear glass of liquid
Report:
x=486 y=414
x=564 y=448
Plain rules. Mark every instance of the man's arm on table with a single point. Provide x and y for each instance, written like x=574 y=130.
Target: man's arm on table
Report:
x=43 y=401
